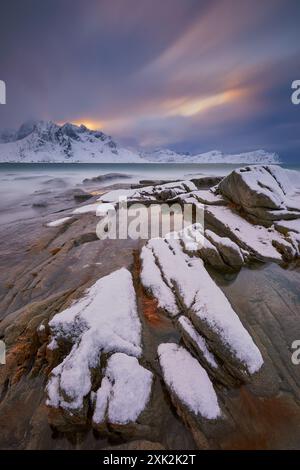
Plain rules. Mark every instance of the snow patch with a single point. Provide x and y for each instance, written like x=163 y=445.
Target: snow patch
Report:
x=58 y=222
x=124 y=392
x=99 y=322
x=188 y=381
x=198 y=294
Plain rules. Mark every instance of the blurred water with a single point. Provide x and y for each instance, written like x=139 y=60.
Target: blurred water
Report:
x=19 y=181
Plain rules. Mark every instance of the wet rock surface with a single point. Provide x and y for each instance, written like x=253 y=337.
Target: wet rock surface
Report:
x=46 y=271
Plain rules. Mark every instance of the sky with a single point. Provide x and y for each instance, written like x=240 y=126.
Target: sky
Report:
x=190 y=75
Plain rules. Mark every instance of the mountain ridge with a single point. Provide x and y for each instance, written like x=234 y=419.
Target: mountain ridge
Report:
x=48 y=142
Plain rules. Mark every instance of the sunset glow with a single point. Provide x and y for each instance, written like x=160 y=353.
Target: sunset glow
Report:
x=89 y=123
x=192 y=77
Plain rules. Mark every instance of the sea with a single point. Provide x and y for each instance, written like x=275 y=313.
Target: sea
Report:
x=19 y=182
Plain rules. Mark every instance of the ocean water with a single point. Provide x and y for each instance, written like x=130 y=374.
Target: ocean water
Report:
x=19 y=182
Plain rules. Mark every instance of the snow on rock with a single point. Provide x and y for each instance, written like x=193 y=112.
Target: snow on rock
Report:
x=229 y=251
x=266 y=193
x=151 y=194
x=188 y=382
x=209 y=197
x=294 y=178
x=220 y=252
x=191 y=236
x=86 y=209
x=163 y=192
x=281 y=176
x=58 y=222
x=253 y=186
x=199 y=297
x=204 y=302
x=153 y=282
x=98 y=209
x=256 y=239
x=285 y=226
x=124 y=392
x=209 y=253
x=115 y=195
x=197 y=341
x=99 y=322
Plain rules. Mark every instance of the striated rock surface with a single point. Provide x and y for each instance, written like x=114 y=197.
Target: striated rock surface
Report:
x=198 y=296
x=229 y=251
x=114 y=350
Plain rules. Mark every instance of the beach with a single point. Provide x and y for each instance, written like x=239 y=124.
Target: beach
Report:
x=46 y=269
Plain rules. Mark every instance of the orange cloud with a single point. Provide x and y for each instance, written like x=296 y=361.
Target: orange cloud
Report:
x=196 y=105
x=89 y=123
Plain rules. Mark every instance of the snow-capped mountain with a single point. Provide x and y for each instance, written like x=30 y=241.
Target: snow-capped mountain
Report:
x=215 y=156
x=47 y=142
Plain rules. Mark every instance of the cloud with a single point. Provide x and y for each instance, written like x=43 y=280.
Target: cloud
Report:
x=192 y=75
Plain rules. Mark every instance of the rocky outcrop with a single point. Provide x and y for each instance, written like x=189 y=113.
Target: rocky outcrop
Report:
x=106 y=177
x=98 y=324
x=263 y=192
x=109 y=372
x=123 y=395
x=191 y=391
x=260 y=242
x=185 y=285
x=228 y=250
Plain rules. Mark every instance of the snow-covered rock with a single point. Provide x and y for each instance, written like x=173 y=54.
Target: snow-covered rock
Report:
x=159 y=193
x=96 y=208
x=264 y=192
x=256 y=239
x=153 y=282
x=195 y=292
x=187 y=381
x=229 y=251
x=192 y=337
x=286 y=226
x=59 y=222
x=124 y=392
x=209 y=197
x=100 y=322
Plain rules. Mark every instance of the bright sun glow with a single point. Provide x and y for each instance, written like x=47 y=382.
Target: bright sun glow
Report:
x=89 y=123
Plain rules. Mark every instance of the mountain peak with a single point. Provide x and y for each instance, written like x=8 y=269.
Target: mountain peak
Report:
x=45 y=141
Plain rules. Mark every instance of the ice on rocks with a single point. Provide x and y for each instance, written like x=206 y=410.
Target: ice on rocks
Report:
x=188 y=382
